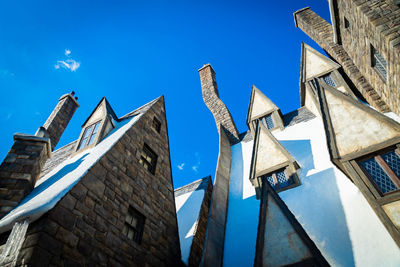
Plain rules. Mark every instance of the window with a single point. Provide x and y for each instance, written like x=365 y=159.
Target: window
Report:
x=89 y=135
x=383 y=170
x=328 y=79
x=156 y=125
x=378 y=62
x=267 y=121
x=347 y=24
x=278 y=180
x=148 y=159
x=134 y=224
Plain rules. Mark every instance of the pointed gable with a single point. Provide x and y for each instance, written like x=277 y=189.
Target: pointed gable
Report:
x=354 y=126
x=260 y=105
x=314 y=64
x=281 y=240
x=269 y=156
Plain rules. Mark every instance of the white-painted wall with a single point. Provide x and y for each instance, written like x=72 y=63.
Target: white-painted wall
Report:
x=188 y=207
x=327 y=204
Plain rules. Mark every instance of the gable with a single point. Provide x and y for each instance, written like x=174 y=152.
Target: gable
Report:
x=259 y=105
x=98 y=114
x=356 y=126
x=314 y=64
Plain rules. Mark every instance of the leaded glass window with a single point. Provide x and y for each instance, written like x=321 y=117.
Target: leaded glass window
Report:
x=328 y=79
x=89 y=135
x=278 y=179
x=379 y=62
x=268 y=121
x=384 y=171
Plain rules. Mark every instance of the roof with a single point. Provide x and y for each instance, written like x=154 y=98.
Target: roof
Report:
x=62 y=173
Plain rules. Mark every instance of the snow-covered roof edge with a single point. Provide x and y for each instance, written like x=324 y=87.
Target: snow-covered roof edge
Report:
x=57 y=183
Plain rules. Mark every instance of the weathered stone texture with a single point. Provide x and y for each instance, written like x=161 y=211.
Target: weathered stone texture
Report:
x=196 y=250
x=215 y=236
x=85 y=227
x=222 y=116
x=322 y=33
x=60 y=117
x=375 y=23
x=20 y=169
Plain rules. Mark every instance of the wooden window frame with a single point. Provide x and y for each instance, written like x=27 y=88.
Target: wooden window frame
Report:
x=295 y=181
x=91 y=135
x=140 y=220
x=385 y=167
x=147 y=151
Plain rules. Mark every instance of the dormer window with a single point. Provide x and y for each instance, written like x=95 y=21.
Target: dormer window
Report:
x=279 y=180
x=89 y=135
x=328 y=79
x=268 y=121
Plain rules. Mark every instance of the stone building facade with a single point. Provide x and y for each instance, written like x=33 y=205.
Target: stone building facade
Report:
x=364 y=39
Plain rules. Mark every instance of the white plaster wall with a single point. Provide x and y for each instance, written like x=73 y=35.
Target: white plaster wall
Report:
x=188 y=207
x=330 y=208
x=269 y=155
x=315 y=65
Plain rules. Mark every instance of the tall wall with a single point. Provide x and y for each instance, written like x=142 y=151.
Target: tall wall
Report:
x=375 y=23
x=85 y=227
x=322 y=33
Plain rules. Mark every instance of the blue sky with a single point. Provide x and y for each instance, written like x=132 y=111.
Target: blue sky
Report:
x=132 y=52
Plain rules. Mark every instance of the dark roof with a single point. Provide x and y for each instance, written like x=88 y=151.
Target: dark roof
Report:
x=289 y=119
x=200 y=184
x=300 y=115
x=57 y=157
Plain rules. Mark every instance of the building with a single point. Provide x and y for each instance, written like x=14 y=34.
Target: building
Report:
x=105 y=199
x=364 y=39
x=318 y=186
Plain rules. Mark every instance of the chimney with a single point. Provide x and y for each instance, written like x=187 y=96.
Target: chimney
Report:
x=22 y=166
x=60 y=117
x=211 y=98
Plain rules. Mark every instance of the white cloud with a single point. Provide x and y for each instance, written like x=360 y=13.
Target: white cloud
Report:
x=195 y=168
x=180 y=166
x=69 y=63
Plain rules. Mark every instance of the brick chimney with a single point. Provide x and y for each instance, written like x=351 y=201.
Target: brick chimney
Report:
x=60 y=117
x=211 y=98
x=22 y=166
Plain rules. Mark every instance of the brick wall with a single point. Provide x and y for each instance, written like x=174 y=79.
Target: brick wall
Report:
x=85 y=227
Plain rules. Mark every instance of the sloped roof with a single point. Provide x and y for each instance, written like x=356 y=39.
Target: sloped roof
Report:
x=59 y=180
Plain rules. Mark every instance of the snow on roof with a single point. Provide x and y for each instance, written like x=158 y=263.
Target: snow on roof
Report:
x=55 y=184
x=188 y=200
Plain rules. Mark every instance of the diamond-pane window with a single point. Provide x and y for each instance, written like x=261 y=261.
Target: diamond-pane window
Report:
x=379 y=62
x=328 y=79
x=278 y=179
x=268 y=122
x=384 y=170
x=393 y=161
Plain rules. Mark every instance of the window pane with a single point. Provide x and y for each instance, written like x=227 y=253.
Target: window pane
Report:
x=93 y=135
x=282 y=179
x=267 y=120
x=271 y=181
x=393 y=161
x=379 y=62
x=378 y=175
x=329 y=80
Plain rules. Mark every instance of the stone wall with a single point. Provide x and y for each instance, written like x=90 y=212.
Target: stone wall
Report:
x=196 y=250
x=322 y=33
x=85 y=227
x=375 y=23
x=215 y=236
x=222 y=116
x=20 y=169
x=60 y=117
